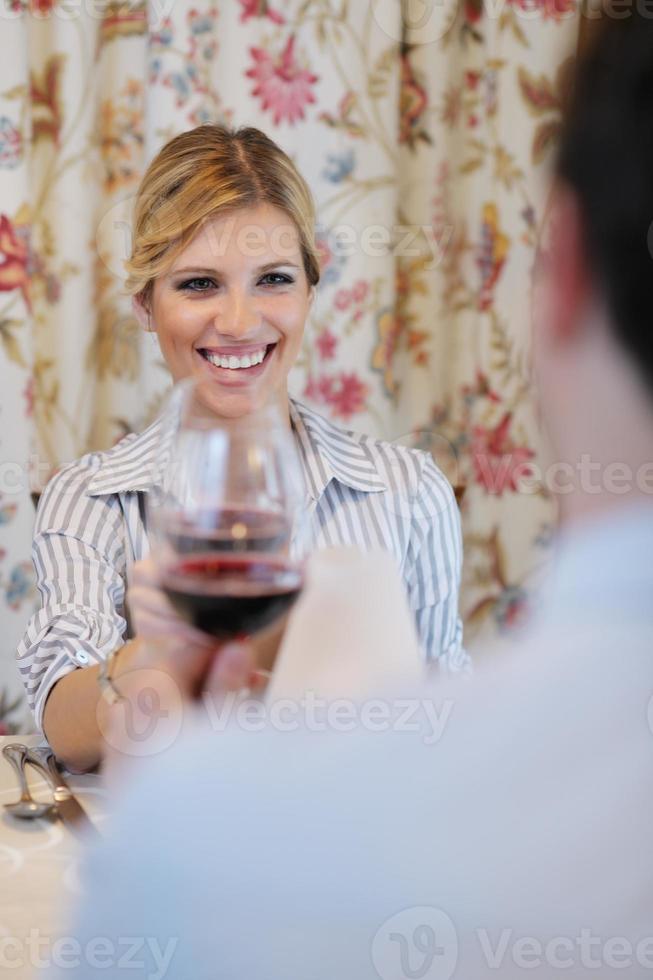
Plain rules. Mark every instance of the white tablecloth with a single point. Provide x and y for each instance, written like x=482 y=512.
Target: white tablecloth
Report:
x=39 y=861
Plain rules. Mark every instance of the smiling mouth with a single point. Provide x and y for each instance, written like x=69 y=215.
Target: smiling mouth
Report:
x=238 y=362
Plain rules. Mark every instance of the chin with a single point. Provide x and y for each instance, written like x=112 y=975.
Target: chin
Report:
x=233 y=405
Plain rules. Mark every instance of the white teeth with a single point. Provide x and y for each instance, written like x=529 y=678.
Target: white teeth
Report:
x=234 y=363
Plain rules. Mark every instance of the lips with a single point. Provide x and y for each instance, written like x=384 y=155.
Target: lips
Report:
x=237 y=364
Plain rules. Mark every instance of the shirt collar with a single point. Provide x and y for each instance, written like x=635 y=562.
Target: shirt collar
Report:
x=129 y=466
x=329 y=453
x=326 y=453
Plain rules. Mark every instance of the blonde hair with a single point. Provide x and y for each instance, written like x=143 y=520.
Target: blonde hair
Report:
x=205 y=173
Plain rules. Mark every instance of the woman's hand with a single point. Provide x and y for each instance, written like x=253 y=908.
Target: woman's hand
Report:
x=158 y=675
x=193 y=657
x=153 y=614
x=197 y=662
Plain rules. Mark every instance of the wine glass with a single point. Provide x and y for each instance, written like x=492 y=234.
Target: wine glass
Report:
x=225 y=515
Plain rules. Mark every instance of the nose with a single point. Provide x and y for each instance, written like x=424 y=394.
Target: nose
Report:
x=239 y=316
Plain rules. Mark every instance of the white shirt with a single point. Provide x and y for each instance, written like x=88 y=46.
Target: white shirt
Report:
x=518 y=842
x=90 y=529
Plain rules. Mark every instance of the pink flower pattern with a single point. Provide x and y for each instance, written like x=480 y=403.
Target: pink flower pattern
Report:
x=498 y=463
x=342 y=300
x=344 y=393
x=14 y=258
x=326 y=345
x=11 y=144
x=259 y=8
x=550 y=9
x=284 y=88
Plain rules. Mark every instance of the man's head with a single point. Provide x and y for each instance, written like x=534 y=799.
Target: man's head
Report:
x=593 y=338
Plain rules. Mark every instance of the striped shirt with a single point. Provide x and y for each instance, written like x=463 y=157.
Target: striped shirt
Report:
x=91 y=528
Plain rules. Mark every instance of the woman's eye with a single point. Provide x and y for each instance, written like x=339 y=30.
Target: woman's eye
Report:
x=276 y=279
x=198 y=285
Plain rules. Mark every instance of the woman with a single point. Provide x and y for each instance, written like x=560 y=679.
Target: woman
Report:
x=223 y=269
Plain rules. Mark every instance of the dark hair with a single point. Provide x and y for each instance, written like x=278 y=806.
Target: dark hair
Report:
x=606 y=157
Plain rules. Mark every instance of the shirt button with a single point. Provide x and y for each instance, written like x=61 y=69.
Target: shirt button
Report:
x=81 y=657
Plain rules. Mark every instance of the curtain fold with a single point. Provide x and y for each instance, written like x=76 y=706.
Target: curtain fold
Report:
x=425 y=132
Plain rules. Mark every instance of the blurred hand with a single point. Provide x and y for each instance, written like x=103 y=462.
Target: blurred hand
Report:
x=265 y=645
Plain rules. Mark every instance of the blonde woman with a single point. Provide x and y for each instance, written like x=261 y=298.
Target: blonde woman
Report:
x=223 y=269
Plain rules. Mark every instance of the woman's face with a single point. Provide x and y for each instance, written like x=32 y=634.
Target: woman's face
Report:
x=231 y=310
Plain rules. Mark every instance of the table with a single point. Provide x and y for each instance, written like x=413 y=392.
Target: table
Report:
x=39 y=863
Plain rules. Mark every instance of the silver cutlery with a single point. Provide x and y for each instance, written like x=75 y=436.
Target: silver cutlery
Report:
x=66 y=805
x=27 y=808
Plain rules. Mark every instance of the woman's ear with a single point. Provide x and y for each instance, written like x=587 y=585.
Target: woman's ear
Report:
x=142 y=314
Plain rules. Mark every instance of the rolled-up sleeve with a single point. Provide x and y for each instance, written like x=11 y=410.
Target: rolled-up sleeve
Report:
x=79 y=559
x=434 y=566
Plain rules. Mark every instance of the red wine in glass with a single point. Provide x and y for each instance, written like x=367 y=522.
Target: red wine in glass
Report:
x=227 y=503
x=228 y=595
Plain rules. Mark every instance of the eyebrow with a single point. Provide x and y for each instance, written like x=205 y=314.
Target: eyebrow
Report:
x=199 y=270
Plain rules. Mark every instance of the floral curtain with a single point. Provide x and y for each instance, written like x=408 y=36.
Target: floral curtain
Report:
x=424 y=130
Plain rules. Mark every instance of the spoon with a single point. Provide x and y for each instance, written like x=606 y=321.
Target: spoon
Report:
x=26 y=807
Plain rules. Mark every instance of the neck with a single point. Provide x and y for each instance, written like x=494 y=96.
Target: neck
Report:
x=599 y=412
x=282 y=401
x=610 y=447
x=580 y=508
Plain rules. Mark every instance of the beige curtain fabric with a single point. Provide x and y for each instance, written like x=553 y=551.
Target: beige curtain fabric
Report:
x=424 y=131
